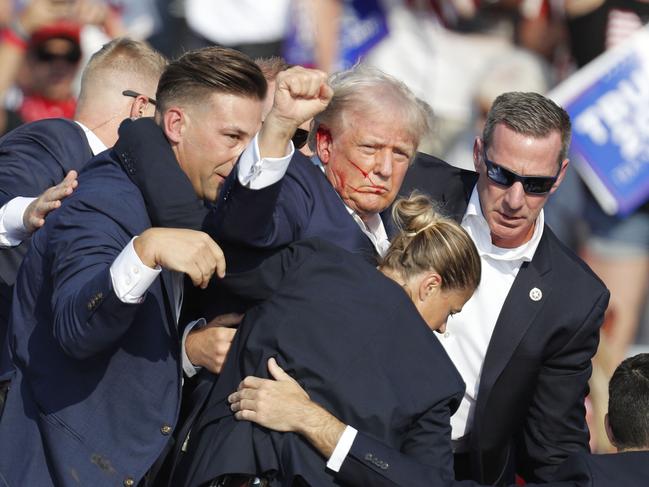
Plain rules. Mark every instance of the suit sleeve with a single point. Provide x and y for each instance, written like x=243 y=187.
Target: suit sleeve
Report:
x=260 y=283
x=555 y=425
x=84 y=241
x=429 y=440
x=266 y=218
x=37 y=156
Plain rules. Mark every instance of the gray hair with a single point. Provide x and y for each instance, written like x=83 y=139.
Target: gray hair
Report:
x=362 y=88
x=528 y=114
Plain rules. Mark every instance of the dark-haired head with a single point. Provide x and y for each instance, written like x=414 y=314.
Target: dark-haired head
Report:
x=628 y=404
x=209 y=104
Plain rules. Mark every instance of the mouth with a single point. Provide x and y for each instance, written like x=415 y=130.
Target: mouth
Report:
x=371 y=189
x=509 y=219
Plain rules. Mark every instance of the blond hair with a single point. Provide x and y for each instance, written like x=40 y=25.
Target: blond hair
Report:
x=429 y=241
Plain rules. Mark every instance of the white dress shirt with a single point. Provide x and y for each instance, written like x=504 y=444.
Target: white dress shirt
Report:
x=12 y=227
x=468 y=333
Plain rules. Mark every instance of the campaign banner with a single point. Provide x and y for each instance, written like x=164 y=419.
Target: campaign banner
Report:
x=608 y=103
x=362 y=25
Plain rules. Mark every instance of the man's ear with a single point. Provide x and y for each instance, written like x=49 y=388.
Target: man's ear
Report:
x=139 y=107
x=609 y=431
x=562 y=174
x=174 y=120
x=478 y=148
x=323 y=143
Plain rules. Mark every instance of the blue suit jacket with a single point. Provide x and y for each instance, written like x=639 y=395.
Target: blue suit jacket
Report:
x=373 y=463
x=355 y=341
x=34 y=157
x=303 y=204
x=97 y=385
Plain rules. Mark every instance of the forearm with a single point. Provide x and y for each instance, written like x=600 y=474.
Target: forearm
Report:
x=320 y=428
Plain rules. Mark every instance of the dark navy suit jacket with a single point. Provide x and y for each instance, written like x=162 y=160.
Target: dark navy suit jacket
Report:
x=368 y=458
x=34 y=157
x=97 y=385
x=301 y=205
x=529 y=414
x=353 y=338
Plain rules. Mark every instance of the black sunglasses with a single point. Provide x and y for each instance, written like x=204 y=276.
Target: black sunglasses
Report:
x=135 y=94
x=300 y=137
x=505 y=177
x=71 y=56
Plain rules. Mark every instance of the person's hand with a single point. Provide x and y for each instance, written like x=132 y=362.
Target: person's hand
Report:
x=208 y=346
x=300 y=94
x=278 y=404
x=38 y=13
x=282 y=405
x=189 y=251
x=50 y=199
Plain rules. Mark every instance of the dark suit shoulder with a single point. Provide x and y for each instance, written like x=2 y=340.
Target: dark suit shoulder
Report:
x=449 y=186
x=628 y=469
x=37 y=155
x=565 y=260
x=58 y=136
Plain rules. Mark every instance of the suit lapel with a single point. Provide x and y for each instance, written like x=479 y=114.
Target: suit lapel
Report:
x=520 y=309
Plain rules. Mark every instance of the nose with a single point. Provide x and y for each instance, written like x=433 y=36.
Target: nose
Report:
x=515 y=196
x=383 y=163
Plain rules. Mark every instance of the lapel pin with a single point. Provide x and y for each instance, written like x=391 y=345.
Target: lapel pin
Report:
x=535 y=294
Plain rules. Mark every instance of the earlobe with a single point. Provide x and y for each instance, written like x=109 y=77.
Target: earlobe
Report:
x=323 y=144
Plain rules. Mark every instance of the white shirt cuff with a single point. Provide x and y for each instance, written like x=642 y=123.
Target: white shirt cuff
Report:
x=256 y=173
x=131 y=278
x=12 y=228
x=342 y=449
x=189 y=368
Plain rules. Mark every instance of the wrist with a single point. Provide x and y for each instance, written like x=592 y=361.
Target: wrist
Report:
x=143 y=250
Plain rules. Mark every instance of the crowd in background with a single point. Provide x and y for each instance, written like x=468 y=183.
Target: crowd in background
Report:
x=457 y=55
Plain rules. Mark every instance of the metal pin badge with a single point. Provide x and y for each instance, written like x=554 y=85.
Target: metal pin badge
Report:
x=535 y=294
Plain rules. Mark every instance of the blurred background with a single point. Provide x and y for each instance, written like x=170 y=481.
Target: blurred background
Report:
x=458 y=55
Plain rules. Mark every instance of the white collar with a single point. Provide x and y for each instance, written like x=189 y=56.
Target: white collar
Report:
x=96 y=145
x=475 y=223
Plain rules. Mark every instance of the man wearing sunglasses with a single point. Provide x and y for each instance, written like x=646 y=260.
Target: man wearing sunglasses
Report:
x=524 y=341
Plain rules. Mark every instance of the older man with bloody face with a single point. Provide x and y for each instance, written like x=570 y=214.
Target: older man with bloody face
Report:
x=364 y=142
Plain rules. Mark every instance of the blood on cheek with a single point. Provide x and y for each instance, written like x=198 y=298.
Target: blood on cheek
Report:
x=366 y=175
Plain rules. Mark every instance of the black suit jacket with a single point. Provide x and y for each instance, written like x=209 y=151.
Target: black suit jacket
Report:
x=357 y=344
x=371 y=463
x=530 y=409
x=33 y=157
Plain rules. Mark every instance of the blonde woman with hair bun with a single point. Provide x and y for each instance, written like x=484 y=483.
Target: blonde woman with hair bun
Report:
x=357 y=338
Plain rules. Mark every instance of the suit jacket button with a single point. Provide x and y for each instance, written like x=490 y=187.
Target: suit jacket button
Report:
x=166 y=429
x=129 y=482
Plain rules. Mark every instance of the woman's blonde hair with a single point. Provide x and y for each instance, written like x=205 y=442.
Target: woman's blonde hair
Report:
x=429 y=241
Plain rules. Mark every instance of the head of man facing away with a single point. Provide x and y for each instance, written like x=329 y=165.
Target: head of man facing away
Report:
x=627 y=421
